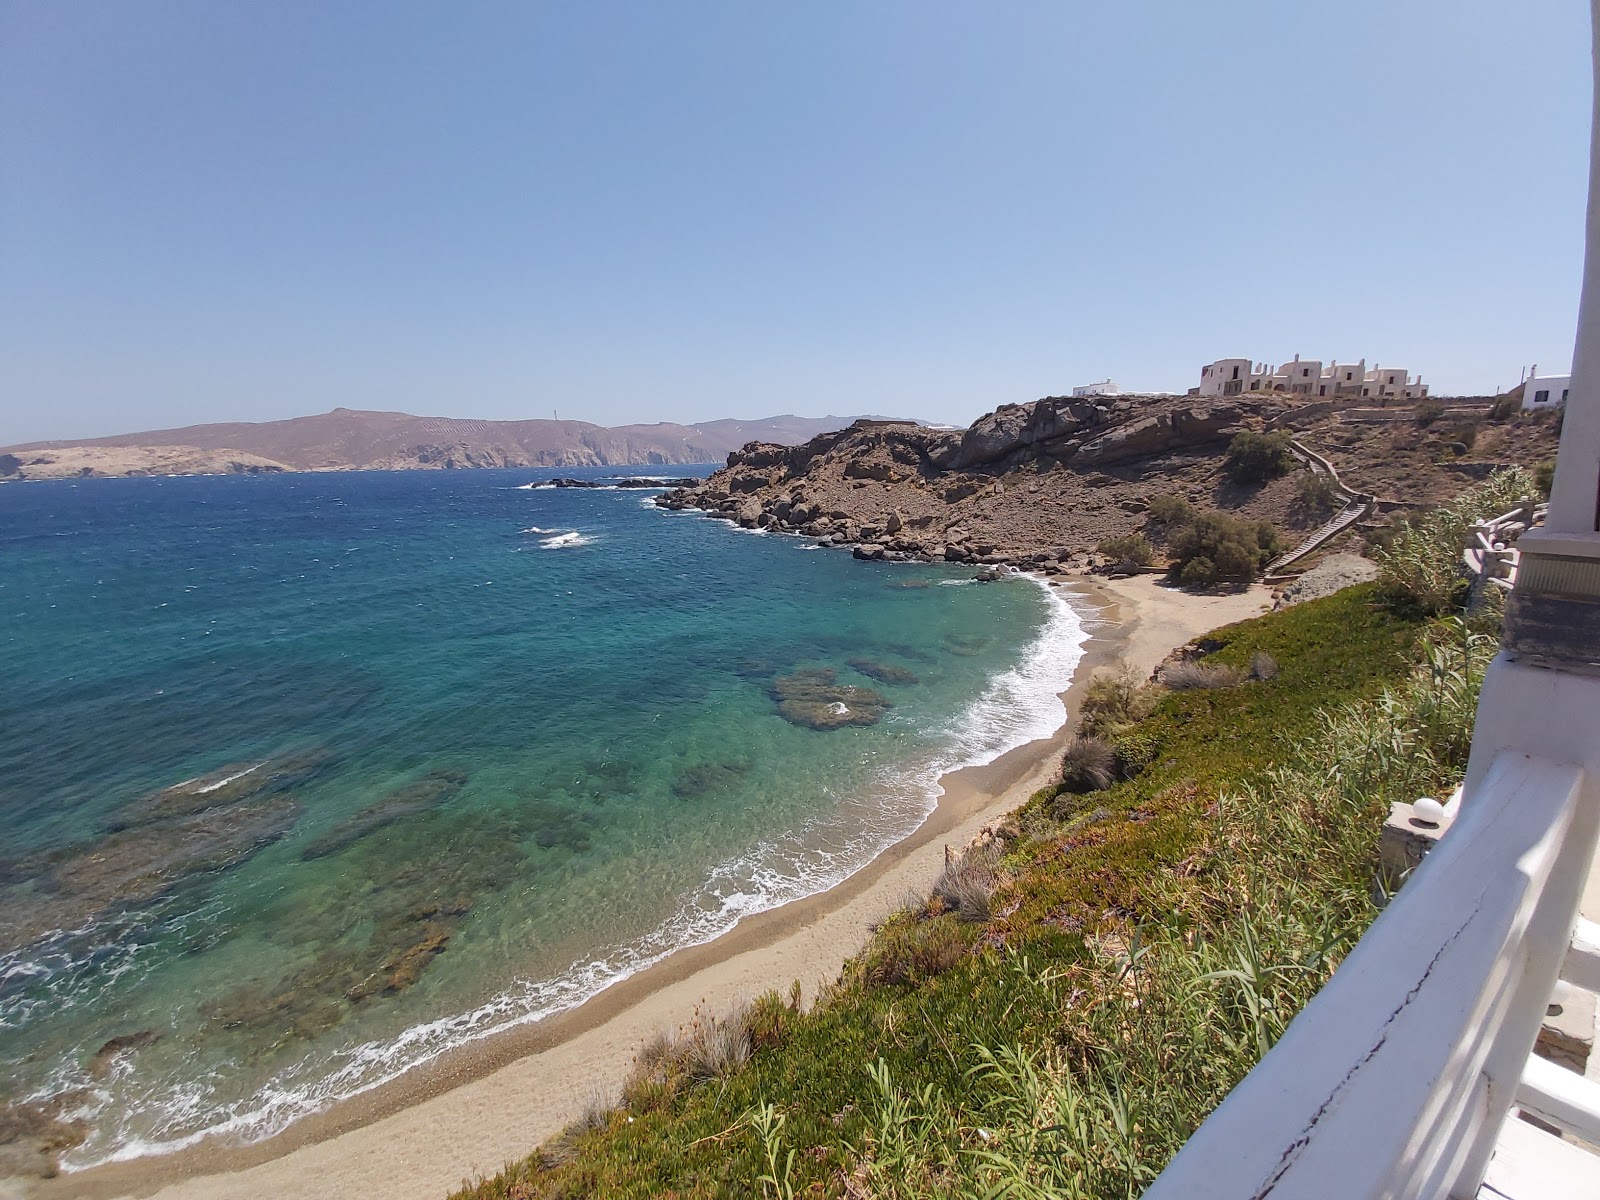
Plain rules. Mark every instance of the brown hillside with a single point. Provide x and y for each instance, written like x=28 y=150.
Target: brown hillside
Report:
x=1043 y=484
x=348 y=439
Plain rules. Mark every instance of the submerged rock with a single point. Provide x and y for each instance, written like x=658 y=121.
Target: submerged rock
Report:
x=966 y=644
x=225 y=786
x=34 y=1133
x=100 y=1061
x=813 y=699
x=432 y=789
x=883 y=672
x=701 y=778
x=134 y=867
x=395 y=911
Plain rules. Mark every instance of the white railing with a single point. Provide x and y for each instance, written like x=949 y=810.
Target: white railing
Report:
x=1491 y=554
x=1395 y=1079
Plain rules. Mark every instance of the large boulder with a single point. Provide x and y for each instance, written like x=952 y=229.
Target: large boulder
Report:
x=814 y=699
x=1015 y=427
x=1160 y=434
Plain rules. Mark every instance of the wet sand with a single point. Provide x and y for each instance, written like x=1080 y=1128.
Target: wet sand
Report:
x=483 y=1105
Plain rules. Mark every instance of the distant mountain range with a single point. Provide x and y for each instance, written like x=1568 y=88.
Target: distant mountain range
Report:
x=353 y=440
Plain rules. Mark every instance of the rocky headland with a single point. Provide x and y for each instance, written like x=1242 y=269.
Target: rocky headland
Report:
x=1041 y=485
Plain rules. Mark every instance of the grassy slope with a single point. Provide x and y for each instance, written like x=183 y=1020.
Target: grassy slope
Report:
x=1052 y=982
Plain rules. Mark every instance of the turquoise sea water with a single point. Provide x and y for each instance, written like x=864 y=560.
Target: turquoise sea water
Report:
x=460 y=753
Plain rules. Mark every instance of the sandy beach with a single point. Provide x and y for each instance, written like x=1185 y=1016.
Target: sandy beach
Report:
x=468 y=1114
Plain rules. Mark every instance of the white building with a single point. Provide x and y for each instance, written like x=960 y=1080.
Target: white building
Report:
x=1540 y=392
x=1310 y=377
x=1104 y=388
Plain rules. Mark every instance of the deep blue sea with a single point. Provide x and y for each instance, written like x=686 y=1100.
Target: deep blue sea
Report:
x=306 y=779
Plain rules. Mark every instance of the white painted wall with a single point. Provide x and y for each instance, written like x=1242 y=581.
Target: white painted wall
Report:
x=1225 y=377
x=1104 y=388
x=1554 y=389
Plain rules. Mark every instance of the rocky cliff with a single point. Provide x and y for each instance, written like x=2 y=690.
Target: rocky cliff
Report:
x=1036 y=484
x=1041 y=485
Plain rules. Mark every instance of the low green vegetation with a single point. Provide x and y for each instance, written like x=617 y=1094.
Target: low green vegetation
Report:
x=1315 y=492
x=1074 y=995
x=1419 y=559
x=1171 y=511
x=1129 y=550
x=1205 y=547
x=1216 y=548
x=1255 y=458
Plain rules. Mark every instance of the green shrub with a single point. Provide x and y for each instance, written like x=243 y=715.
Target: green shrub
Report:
x=1421 y=565
x=1258 y=457
x=1088 y=764
x=966 y=884
x=1506 y=407
x=1135 y=749
x=1315 y=492
x=1217 y=548
x=1129 y=549
x=1544 y=477
x=1171 y=510
x=1113 y=700
x=1193 y=675
x=1427 y=412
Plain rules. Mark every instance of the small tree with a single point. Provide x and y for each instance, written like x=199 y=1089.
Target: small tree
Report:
x=1131 y=549
x=1315 y=492
x=1171 y=510
x=1255 y=458
x=1218 y=548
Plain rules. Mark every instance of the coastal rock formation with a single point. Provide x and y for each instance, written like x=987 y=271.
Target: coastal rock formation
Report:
x=133 y=867
x=396 y=913
x=418 y=796
x=814 y=699
x=883 y=672
x=1040 y=486
x=227 y=785
x=34 y=1134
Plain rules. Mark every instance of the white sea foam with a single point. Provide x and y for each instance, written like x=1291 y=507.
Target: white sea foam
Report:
x=1018 y=706
x=227 y=779
x=535 y=529
x=563 y=541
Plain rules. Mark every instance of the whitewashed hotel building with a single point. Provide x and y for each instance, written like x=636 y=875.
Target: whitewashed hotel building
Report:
x=1311 y=378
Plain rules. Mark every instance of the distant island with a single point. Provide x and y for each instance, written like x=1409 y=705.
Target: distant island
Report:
x=349 y=439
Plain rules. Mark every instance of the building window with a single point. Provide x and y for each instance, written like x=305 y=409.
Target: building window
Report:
x=1323 y=390
x=1236 y=372
x=1304 y=371
x=1541 y=397
x=1564 y=395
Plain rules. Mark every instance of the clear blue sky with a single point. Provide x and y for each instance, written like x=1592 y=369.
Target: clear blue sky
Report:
x=644 y=211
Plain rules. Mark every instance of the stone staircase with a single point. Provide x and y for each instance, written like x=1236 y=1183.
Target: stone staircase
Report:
x=1356 y=505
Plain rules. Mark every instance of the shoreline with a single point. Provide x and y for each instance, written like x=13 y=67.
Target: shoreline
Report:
x=473 y=1109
